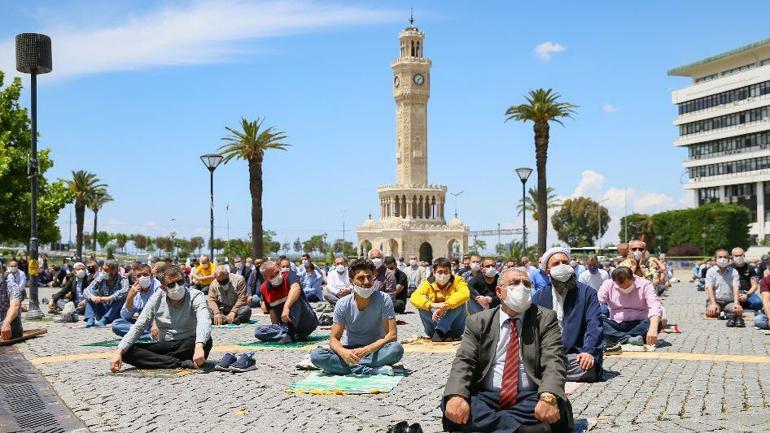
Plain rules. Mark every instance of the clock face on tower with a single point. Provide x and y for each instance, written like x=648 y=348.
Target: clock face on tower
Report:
x=418 y=79
x=396 y=81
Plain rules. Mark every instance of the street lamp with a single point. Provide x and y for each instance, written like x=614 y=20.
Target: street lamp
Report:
x=211 y=161
x=523 y=173
x=703 y=243
x=33 y=56
x=599 y=229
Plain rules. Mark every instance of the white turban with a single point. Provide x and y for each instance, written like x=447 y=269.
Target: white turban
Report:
x=548 y=254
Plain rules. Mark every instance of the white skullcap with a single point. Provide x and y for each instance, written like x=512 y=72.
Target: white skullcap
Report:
x=548 y=254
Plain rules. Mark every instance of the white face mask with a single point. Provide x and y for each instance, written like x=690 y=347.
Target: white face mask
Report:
x=638 y=255
x=276 y=280
x=363 y=291
x=519 y=298
x=12 y=269
x=377 y=262
x=562 y=272
x=490 y=272
x=144 y=281
x=475 y=266
x=285 y=270
x=739 y=260
x=412 y=263
x=628 y=289
x=175 y=292
x=722 y=262
x=81 y=274
x=442 y=278
x=340 y=269
x=305 y=262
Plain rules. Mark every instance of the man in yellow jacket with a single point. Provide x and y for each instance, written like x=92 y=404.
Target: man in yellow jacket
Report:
x=441 y=301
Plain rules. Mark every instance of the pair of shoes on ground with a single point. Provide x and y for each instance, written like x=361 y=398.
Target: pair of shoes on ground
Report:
x=325 y=320
x=101 y=323
x=404 y=427
x=229 y=362
x=735 y=321
x=440 y=337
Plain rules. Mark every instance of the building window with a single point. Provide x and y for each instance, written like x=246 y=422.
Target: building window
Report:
x=731 y=167
x=708 y=195
x=727 y=97
x=719 y=122
x=744 y=195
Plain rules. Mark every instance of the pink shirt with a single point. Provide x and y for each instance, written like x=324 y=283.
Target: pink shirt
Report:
x=640 y=304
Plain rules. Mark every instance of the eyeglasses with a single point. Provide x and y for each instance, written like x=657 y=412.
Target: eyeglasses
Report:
x=517 y=281
x=638 y=249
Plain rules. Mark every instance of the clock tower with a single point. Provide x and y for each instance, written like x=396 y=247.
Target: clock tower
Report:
x=411 y=90
x=412 y=219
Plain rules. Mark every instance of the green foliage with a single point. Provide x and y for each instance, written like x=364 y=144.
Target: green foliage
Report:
x=269 y=244
x=477 y=245
x=237 y=248
x=711 y=226
x=315 y=244
x=297 y=244
x=577 y=222
x=196 y=242
x=15 y=195
x=345 y=248
x=638 y=225
x=103 y=238
x=121 y=239
x=140 y=241
x=542 y=105
x=531 y=202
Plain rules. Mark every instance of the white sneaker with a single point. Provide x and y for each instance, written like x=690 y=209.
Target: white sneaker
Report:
x=306 y=364
x=385 y=370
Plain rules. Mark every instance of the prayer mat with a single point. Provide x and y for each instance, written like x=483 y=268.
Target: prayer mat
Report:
x=312 y=340
x=26 y=335
x=113 y=343
x=635 y=348
x=571 y=387
x=234 y=326
x=160 y=373
x=319 y=383
x=671 y=329
x=425 y=345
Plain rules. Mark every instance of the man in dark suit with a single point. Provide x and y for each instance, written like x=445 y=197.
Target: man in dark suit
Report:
x=579 y=316
x=509 y=372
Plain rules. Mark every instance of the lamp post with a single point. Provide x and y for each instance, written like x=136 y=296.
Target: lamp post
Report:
x=599 y=228
x=523 y=173
x=211 y=161
x=33 y=56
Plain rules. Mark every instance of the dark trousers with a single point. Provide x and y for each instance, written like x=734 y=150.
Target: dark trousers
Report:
x=243 y=315
x=615 y=332
x=399 y=306
x=486 y=415
x=163 y=354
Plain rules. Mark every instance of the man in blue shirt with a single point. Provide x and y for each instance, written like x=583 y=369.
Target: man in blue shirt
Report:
x=136 y=299
x=312 y=284
x=105 y=295
x=364 y=339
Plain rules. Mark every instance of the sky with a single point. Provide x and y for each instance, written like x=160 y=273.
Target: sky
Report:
x=141 y=89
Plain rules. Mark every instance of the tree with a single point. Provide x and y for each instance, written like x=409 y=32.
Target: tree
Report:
x=577 y=222
x=81 y=186
x=344 y=247
x=15 y=193
x=95 y=201
x=542 y=107
x=103 y=238
x=477 y=245
x=149 y=245
x=121 y=239
x=140 y=241
x=285 y=247
x=531 y=202
x=315 y=244
x=297 y=244
x=237 y=248
x=268 y=244
x=250 y=144
x=196 y=243
x=502 y=249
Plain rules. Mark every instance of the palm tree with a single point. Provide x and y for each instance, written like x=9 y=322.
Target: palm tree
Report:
x=531 y=201
x=542 y=107
x=81 y=185
x=95 y=201
x=250 y=144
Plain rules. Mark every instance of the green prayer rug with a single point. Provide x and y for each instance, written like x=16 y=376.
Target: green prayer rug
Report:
x=234 y=326
x=328 y=384
x=311 y=340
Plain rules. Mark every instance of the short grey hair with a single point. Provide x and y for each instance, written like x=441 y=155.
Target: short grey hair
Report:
x=267 y=265
x=507 y=275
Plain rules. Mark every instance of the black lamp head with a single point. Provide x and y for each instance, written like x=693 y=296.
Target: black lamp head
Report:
x=33 y=53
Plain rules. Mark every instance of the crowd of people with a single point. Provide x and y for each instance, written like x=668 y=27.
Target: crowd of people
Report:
x=524 y=328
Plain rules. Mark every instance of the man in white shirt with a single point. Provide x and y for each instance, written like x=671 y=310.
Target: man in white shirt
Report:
x=337 y=282
x=593 y=276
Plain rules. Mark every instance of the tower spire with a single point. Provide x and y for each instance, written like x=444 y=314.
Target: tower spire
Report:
x=411 y=16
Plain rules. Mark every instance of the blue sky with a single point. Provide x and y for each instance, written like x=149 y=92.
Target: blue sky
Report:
x=141 y=89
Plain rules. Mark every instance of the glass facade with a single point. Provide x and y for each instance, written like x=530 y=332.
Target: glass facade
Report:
x=741 y=166
x=727 y=97
x=719 y=122
x=745 y=195
x=708 y=195
x=731 y=145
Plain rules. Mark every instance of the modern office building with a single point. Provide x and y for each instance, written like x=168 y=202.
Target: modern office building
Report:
x=723 y=122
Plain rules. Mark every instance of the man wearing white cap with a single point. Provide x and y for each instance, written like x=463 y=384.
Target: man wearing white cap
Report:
x=578 y=314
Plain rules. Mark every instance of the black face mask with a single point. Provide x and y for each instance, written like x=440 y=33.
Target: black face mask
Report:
x=91 y=271
x=224 y=282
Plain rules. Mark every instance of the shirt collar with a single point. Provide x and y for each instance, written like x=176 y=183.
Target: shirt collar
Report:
x=504 y=316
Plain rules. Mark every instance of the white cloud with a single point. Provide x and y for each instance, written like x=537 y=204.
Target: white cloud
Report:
x=200 y=32
x=544 y=50
x=609 y=108
x=590 y=184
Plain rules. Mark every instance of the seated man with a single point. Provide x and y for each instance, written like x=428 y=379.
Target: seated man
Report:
x=183 y=326
x=384 y=280
x=291 y=316
x=203 y=274
x=441 y=301
x=73 y=291
x=748 y=279
x=138 y=296
x=760 y=320
x=399 y=298
x=364 y=339
x=104 y=296
x=634 y=306
x=18 y=275
x=519 y=346
x=227 y=298
x=312 y=283
x=253 y=283
x=10 y=307
x=483 y=288
x=644 y=266
x=337 y=282
x=593 y=276
x=723 y=291
x=578 y=314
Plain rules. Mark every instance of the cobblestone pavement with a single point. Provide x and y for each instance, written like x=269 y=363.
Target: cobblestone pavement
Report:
x=640 y=394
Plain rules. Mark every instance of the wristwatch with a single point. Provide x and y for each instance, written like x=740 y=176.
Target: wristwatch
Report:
x=548 y=398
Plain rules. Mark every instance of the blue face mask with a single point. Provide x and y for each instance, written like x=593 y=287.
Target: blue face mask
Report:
x=593 y=269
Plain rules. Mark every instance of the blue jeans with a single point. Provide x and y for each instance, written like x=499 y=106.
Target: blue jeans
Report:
x=760 y=321
x=108 y=312
x=615 y=332
x=331 y=363
x=754 y=302
x=121 y=326
x=16 y=330
x=451 y=324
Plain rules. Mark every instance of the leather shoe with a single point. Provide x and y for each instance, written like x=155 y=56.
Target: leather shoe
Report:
x=401 y=427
